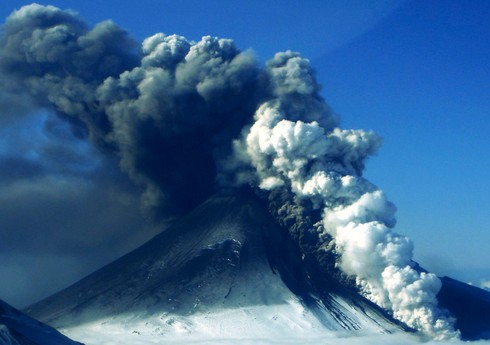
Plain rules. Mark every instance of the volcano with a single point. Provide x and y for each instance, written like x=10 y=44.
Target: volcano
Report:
x=226 y=270
x=312 y=254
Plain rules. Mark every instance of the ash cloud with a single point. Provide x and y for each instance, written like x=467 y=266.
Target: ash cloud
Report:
x=190 y=98
x=145 y=107
x=184 y=117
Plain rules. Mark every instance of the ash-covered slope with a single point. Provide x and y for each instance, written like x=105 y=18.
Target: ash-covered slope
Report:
x=17 y=328
x=224 y=269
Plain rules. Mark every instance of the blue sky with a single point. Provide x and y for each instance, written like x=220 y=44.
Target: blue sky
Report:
x=416 y=72
x=420 y=78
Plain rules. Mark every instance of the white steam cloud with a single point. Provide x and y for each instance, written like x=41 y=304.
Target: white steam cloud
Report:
x=324 y=165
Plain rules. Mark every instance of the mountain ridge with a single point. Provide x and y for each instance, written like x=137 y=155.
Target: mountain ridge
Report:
x=218 y=257
x=17 y=328
x=226 y=268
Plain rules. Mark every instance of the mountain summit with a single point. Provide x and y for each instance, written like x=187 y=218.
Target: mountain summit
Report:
x=225 y=269
x=228 y=270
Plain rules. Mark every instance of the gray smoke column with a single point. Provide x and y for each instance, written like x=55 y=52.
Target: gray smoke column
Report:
x=167 y=110
x=170 y=112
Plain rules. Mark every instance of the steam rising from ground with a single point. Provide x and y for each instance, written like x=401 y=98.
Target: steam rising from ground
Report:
x=170 y=113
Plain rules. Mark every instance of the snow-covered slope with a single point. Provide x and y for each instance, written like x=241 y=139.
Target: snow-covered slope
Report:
x=226 y=270
x=17 y=328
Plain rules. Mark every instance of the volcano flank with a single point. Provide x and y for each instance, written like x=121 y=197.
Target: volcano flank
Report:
x=226 y=269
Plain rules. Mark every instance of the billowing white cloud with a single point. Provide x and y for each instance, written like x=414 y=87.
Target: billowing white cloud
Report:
x=323 y=165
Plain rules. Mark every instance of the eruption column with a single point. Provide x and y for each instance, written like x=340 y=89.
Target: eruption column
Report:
x=323 y=164
x=170 y=111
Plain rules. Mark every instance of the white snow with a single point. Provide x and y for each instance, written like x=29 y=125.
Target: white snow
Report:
x=287 y=322
x=252 y=325
x=485 y=284
x=234 y=331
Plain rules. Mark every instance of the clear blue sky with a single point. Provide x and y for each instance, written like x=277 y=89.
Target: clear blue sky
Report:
x=416 y=72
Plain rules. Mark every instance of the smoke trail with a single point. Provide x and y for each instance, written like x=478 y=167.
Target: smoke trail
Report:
x=323 y=164
x=174 y=97
x=170 y=112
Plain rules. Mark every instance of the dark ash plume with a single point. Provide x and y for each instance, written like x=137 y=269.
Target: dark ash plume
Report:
x=52 y=56
x=168 y=112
